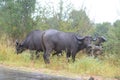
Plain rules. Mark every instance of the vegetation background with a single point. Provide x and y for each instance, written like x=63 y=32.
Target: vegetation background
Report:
x=19 y=17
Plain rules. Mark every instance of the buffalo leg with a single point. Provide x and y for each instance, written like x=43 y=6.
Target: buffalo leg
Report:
x=57 y=53
x=46 y=56
x=73 y=56
x=46 y=60
x=31 y=55
x=37 y=54
x=68 y=56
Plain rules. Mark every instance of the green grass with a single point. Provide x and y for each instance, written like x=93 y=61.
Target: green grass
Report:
x=105 y=66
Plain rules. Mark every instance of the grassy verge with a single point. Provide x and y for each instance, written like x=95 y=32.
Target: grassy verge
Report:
x=106 y=67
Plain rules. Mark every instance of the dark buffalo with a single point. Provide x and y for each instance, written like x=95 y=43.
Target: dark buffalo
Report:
x=31 y=42
x=59 y=41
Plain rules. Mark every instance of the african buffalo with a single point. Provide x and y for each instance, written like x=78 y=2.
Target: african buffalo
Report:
x=31 y=42
x=58 y=41
x=97 y=48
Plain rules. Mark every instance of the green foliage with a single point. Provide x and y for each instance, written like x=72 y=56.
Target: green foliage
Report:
x=80 y=20
x=16 y=16
x=102 y=29
x=113 y=43
x=90 y=66
x=117 y=29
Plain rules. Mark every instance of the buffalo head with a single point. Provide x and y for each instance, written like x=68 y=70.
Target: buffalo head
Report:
x=85 y=41
x=19 y=47
x=99 y=40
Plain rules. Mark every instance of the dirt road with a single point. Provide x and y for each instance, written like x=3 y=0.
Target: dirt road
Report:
x=11 y=74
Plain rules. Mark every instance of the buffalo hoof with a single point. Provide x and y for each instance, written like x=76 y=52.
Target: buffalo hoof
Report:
x=91 y=78
x=37 y=57
x=47 y=62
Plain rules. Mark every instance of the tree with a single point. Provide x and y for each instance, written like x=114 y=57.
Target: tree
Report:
x=102 y=29
x=55 y=15
x=16 y=16
x=117 y=29
x=81 y=21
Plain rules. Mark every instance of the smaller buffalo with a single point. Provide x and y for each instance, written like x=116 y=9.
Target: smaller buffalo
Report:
x=54 y=40
x=97 y=48
x=94 y=51
x=31 y=42
x=99 y=40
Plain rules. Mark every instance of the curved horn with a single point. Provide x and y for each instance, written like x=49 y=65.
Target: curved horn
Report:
x=80 y=38
x=103 y=38
x=94 y=39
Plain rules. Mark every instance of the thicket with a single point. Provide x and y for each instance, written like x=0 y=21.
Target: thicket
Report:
x=19 y=17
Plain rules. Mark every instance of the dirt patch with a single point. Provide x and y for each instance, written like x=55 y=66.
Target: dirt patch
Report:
x=59 y=73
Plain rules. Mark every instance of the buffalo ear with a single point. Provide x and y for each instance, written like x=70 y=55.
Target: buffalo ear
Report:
x=16 y=42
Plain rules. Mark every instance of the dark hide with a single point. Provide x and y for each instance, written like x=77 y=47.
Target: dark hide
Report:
x=59 y=41
x=31 y=42
x=99 y=40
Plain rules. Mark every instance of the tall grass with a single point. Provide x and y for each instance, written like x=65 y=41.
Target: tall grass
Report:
x=107 y=66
